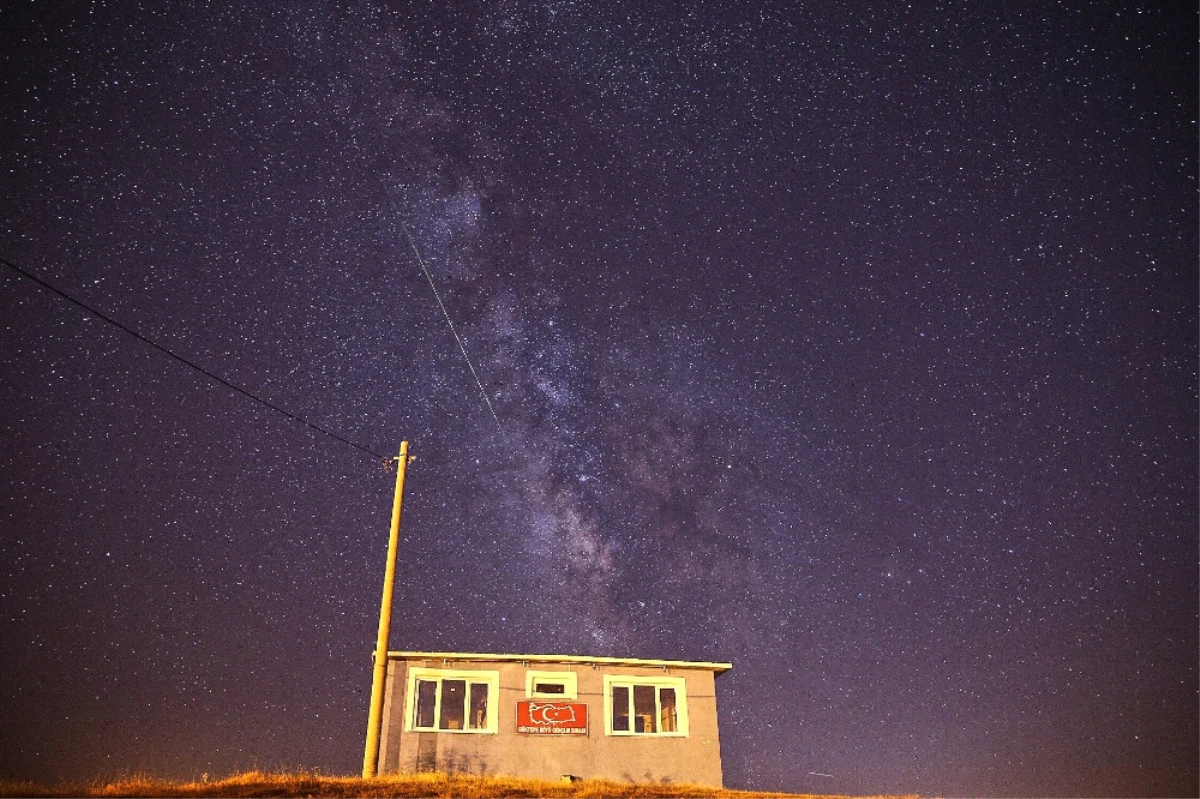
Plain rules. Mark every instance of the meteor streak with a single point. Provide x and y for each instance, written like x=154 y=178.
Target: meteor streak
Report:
x=445 y=313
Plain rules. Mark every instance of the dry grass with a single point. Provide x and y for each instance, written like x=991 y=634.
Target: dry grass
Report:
x=259 y=784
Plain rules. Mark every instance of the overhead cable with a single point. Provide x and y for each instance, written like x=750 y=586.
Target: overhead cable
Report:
x=186 y=362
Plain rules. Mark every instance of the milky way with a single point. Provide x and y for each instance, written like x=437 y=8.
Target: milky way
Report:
x=854 y=345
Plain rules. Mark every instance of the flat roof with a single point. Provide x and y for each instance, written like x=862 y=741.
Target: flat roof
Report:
x=717 y=668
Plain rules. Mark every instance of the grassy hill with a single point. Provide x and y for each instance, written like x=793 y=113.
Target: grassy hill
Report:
x=259 y=784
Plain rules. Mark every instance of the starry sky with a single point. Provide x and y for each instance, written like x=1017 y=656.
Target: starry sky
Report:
x=851 y=343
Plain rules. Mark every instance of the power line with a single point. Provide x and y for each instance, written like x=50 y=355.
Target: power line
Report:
x=185 y=361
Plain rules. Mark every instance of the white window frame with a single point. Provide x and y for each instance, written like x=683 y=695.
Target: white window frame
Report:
x=478 y=676
x=569 y=680
x=629 y=681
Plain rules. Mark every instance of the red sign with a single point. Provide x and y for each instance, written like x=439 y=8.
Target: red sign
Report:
x=552 y=718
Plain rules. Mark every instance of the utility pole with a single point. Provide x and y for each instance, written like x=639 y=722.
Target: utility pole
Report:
x=375 y=719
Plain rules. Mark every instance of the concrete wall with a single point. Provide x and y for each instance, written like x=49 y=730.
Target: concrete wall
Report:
x=695 y=758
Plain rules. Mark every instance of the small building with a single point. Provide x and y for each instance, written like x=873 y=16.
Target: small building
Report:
x=552 y=716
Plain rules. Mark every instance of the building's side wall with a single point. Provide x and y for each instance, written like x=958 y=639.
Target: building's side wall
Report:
x=695 y=758
x=393 y=717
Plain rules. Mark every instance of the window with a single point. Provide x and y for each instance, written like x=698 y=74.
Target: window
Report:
x=444 y=700
x=645 y=705
x=551 y=685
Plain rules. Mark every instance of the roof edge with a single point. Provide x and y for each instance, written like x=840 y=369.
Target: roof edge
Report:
x=717 y=668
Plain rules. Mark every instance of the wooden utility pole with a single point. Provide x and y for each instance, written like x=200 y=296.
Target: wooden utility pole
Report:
x=375 y=719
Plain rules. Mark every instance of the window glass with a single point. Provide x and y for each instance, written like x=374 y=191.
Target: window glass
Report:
x=479 y=703
x=426 y=700
x=646 y=705
x=454 y=698
x=620 y=708
x=666 y=701
x=644 y=712
x=564 y=684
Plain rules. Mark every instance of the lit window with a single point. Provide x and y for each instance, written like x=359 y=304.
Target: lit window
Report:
x=645 y=705
x=441 y=700
x=551 y=685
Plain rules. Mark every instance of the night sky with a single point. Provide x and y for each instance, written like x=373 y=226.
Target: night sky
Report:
x=851 y=343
